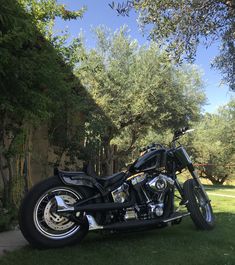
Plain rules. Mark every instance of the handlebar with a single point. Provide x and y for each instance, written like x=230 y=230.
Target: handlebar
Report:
x=181 y=132
x=177 y=134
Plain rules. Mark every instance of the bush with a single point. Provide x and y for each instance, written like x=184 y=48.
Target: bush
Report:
x=8 y=219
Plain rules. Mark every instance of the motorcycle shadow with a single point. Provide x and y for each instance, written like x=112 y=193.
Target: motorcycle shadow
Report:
x=133 y=235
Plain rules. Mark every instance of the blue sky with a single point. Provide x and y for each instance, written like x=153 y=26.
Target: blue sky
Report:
x=99 y=13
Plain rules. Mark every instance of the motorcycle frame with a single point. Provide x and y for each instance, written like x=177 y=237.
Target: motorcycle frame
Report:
x=106 y=205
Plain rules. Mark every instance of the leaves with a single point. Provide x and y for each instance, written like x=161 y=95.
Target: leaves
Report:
x=182 y=25
x=213 y=143
x=138 y=88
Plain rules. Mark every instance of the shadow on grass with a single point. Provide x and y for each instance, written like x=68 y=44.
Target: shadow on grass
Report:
x=170 y=245
x=219 y=187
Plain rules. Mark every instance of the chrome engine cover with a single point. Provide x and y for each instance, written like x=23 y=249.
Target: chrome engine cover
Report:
x=156 y=209
x=138 y=179
x=130 y=214
x=121 y=194
x=160 y=183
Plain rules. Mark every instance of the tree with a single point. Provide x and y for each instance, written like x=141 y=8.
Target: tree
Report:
x=138 y=88
x=182 y=25
x=213 y=144
x=44 y=13
x=35 y=82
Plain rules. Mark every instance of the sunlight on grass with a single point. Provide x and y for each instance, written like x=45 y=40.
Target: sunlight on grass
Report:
x=176 y=245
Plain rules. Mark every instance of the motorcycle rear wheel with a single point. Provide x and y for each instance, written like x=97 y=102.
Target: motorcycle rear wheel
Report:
x=39 y=222
x=200 y=210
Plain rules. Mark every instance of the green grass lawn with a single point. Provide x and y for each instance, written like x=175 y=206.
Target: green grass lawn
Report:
x=177 y=245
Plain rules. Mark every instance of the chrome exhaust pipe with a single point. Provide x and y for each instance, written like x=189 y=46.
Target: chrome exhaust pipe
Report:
x=63 y=207
x=92 y=223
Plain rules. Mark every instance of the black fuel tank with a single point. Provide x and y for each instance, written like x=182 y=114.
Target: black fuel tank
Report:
x=154 y=159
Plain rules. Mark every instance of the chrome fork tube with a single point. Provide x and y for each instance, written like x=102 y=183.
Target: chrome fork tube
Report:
x=199 y=184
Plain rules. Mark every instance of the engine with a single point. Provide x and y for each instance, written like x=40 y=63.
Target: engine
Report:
x=151 y=192
x=160 y=185
x=157 y=189
x=121 y=194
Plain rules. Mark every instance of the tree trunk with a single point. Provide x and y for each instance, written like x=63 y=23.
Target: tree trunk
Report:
x=2 y=164
x=10 y=181
x=115 y=161
x=215 y=180
x=220 y=180
x=107 y=159
x=5 y=200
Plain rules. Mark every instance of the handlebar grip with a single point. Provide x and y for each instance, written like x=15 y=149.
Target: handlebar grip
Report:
x=185 y=128
x=142 y=149
x=181 y=131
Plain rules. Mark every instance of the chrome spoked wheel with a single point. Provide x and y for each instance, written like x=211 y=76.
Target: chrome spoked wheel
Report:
x=203 y=205
x=199 y=207
x=46 y=219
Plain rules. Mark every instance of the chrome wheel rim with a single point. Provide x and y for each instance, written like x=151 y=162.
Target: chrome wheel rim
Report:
x=47 y=221
x=204 y=206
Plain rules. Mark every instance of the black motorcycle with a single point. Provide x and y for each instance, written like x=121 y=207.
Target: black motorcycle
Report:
x=62 y=209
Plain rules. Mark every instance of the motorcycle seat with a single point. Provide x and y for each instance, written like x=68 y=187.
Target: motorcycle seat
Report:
x=71 y=174
x=106 y=182
x=111 y=180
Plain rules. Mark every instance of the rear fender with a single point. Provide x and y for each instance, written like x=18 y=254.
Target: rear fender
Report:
x=78 y=179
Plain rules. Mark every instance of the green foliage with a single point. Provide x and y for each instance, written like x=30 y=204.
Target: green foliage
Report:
x=33 y=75
x=29 y=90
x=138 y=88
x=44 y=12
x=36 y=83
x=182 y=25
x=213 y=144
x=7 y=219
x=187 y=245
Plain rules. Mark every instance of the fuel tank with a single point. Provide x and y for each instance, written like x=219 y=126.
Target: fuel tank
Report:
x=154 y=159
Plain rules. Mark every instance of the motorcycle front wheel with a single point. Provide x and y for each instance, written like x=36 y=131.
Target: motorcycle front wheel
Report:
x=200 y=209
x=39 y=221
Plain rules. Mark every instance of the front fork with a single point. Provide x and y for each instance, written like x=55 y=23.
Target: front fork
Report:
x=199 y=184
